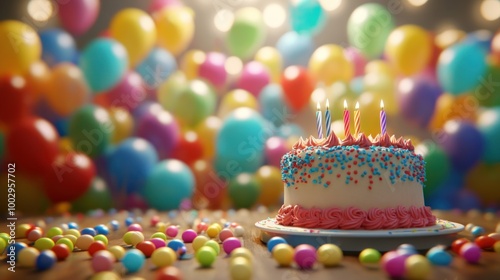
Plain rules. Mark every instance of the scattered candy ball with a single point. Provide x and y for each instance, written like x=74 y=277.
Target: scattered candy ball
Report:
x=477 y=230
x=305 y=256
x=329 y=255
x=72 y=225
x=27 y=257
x=158 y=242
x=73 y=232
x=407 y=249
x=88 y=231
x=102 y=229
x=133 y=260
x=21 y=230
x=129 y=221
x=199 y=241
x=95 y=247
x=103 y=261
x=417 y=267
x=66 y=241
x=494 y=235
x=243 y=252
x=239 y=231
x=189 y=235
x=283 y=254
x=44 y=243
x=438 y=256
x=470 y=252
x=83 y=242
x=274 y=241
x=230 y=244
x=214 y=245
x=458 y=243
x=3 y=245
x=213 y=230
x=45 y=260
x=225 y=234
x=168 y=273
x=159 y=235
x=106 y=275
x=240 y=269
x=178 y=246
x=172 y=231
x=34 y=234
x=146 y=247
x=61 y=250
x=18 y=247
x=469 y=226
x=497 y=229
x=393 y=264
x=134 y=227
x=53 y=231
x=370 y=257
x=485 y=242
x=163 y=257
x=201 y=227
x=154 y=220
x=102 y=238
x=133 y=237
x=206 y=256
x=496 y=247
x=117 y=251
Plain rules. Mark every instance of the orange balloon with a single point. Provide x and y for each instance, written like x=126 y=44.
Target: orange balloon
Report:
x=38 y=78
x=67 y=89
x=298 y=86
x=463 y=107
x=210 y=190
x=207 y=131
x=483 y=180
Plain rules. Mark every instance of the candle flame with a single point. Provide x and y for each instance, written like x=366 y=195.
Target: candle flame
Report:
x=317 y=106
x=357 y=106
x=345 y=104
x=382 y=104
x=327 y=104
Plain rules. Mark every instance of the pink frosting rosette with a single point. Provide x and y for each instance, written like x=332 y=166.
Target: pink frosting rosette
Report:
x=307 y=218
x=417 y=219
x=391 y=218
x=285 y=215
x=331 y=218
x=431 y=219
x=352 y=218
x=375 y=219
x=403 y=217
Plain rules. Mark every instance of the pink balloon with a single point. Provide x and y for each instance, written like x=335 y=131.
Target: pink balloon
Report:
x=275 y=149
x=254 y=78
x=357 y=59
x=77 y=16
x=128 y=93
x=212 y=69
x=157 y=5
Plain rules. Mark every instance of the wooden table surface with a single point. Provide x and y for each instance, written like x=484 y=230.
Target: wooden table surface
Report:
x=77 y=266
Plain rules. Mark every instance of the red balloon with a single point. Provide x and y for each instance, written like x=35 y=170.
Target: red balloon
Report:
x=33 y=144
x=16 y=99
x=298 y=86
x=211 y=190
x=70 y=177
x=189 y=148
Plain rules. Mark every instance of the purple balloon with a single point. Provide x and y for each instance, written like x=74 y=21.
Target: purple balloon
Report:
x=417 y=98
x=275 y=148
x=213 y=69
x=128 y=93
x=254 y=78
x=357 y=59
x=463 y=143
x=77 y=16
x=146 y=108
x=161 y=130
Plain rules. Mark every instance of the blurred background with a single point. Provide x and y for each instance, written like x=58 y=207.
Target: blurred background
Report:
x=175 y=104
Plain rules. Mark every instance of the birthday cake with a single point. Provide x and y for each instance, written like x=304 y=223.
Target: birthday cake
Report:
x=356 y=183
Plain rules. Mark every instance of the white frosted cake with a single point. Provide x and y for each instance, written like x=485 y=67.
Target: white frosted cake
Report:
x=356 y=183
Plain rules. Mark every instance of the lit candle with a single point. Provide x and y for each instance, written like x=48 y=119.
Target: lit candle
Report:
x=383 y=118
x=346 y=120
x=319 y=126
x=357 y=121
x=328 y=119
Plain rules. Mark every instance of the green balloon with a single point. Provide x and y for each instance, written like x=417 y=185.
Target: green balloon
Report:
x=437 y=165
x=196 y=102
x=488 y=91
x=244 y=190
x=97 y=196
x=171 y=89
x=368 y=28
x=246 y=34
x=90 y=130
x=2 y=144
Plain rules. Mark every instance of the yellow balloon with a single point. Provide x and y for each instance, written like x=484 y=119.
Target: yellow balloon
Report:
x=483 y=180
x=384 y=88
x=191 y=62
x=207 y=131
x=448 y=106
x=175 y=28
x=123 y=123
x=271 y=185
x=369 y=109
x=67 y=90
x=235 y=99
x=20 y=46
x=136 y=30
x=380 y=67
x=169 y=91
x=340 y=91
x=271 y=58
x=329 y=64
x=408 y=48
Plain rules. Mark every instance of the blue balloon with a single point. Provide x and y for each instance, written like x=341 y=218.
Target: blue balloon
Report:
x=129 y=165
x=296 y=49
x=463 y=143
x=156 y=67
x=460 y=67
x=273 y=106
x=103 y=62
x=466 y=200
x=290 y=130
x=307 y=16
x=489 y=126
x=57 y=46
x=169 y=183
x=481 y=38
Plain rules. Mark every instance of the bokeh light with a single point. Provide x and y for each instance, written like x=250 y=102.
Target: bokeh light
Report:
x=330 y=5
x=417 y=3
x=40 y=10
x=223 y=20
x=274 y=15
x=490 y=9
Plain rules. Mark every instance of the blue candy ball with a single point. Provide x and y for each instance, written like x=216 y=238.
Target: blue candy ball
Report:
x=438 y=256
x=407 y=250
x=45 y=260
x=275 y=241
x=102 y=229
x=72 y=225
x=129 y=221
x=477 y=231
x=89 y=231
x=178 y=246
x=133 y=260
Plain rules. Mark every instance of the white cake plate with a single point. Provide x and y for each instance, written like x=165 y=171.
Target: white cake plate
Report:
x=443 y=233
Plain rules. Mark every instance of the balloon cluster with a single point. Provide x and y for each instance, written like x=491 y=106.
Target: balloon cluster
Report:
x=135 y=120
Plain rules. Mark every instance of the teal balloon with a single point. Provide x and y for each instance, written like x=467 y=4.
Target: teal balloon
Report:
x=307 y=16
x=368 y=28
x=246 y=34
x=290 y=130
x=295 y=49
x=231 y=167
x=90 y=130
x=244 y=190
x=103 y=63
x=169 y=183
x=157 y=67
x=2 y=145
x=437 y=165
x=461 y=68
x=98 y=196
x=489 y=125
x=273 y=106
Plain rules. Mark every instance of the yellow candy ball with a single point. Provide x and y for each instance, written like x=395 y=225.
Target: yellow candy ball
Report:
x=3 y=245
x=73 y=232
x=21 y=230
x=417 y=267
x=329 y=255
x=496 y=247
x=117 y=251
x=214 y=245
x=67 y=242
x=160 y=235
x=102 y=238
x=106 y=275
x=54 y=231
x=213 y=231
x=240 y=269
x=136 y=237
x=163 y=257
x=369 y=257
x=71 y=237
x=44 y=243
x=199 y=241
x=242 y=252
x=283 y=254
x=27 y=257
x=206 y=256
x=83 y=242
x=161 y=226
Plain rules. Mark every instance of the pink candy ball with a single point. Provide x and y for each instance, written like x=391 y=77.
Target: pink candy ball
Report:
x=230 y=244
x=172 y=231
x=158 y=242
x=394 y=264
x=154 y=220
x=470 y=252
x=103 y=261
x=225 y=234
x=134 y=227
x=189 y=235
x=305 y=256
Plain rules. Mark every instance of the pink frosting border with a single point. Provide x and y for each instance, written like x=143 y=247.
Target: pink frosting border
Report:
x=362 y=141
x=355 y=218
